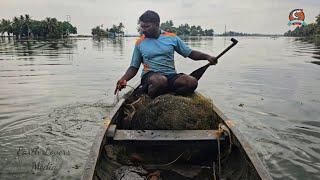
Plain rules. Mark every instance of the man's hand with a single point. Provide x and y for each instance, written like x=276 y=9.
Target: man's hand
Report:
x=213 y=60
x=122 y=83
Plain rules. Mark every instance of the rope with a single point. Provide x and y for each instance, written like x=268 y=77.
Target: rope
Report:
x=167 y=164
x=127 y=111
x=130 y=86
x=214 y=171
x=219 y=158
x=227 y=131
x=172 y=161
x=221 y=130
x=117 y=97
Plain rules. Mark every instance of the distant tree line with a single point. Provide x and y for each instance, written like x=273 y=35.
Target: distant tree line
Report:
x=186 y=29
x=311 y=30
x=114 y=31
x=233 y=33
x=25 y=27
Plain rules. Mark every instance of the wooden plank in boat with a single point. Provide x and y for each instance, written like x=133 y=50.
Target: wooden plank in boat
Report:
x=165 y=135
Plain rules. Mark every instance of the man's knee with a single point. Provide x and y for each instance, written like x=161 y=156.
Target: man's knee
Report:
x=158 y=80
x=192 y=83
x=186 y=83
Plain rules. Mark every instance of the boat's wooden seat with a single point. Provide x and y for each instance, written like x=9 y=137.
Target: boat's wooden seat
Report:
x=162 y=135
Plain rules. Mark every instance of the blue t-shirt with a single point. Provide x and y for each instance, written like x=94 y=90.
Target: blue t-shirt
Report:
x=157 y=55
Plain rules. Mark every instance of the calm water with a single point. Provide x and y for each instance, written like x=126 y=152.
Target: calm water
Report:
x=54 y=95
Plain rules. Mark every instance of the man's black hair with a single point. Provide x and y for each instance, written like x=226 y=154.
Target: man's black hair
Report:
x=150 y=16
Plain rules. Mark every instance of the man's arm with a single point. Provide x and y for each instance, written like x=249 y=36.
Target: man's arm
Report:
x=197 y=55
x=130 y=73
x=186 y=51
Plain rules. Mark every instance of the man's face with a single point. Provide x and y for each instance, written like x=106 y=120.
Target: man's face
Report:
x=150 y=30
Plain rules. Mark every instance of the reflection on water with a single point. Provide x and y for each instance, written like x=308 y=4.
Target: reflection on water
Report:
x=306 y=46
x=54 y=95
x=316 y=62
x=314 y=49
x=101 y=44
x=32 y=48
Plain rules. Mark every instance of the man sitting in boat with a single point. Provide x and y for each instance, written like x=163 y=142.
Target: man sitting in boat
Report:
x=155 y=50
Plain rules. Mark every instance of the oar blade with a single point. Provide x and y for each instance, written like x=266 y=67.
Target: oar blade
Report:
x=199 y=72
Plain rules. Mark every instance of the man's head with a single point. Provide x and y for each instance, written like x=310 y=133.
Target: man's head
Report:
x=149 y=24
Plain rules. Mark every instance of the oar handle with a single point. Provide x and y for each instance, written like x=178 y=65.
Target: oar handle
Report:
x=199 y=72
x=234 y=42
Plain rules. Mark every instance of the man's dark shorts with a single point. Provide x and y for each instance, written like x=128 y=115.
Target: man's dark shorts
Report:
x=171 y=78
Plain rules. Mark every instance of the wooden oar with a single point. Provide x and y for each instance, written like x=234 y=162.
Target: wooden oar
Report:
x=199 y=72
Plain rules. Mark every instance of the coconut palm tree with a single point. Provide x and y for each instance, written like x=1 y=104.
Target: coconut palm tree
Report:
x=120 y=28
x=16 y=27
x=22 y=21
x=318 y=20
x=8 y=27
x=2 y=27
x=5 y=26
x=27 y=24
x=51 y=27
x=48 y=24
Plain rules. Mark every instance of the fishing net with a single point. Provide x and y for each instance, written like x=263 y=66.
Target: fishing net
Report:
x=169 y=112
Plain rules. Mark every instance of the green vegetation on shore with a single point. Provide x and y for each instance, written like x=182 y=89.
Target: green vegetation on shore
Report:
x=25 y=27
x=311 y=30
x=233 y=33
x=186 y=29
x=114 y=31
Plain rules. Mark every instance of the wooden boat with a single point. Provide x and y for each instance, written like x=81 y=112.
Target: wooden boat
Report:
x=221 y=153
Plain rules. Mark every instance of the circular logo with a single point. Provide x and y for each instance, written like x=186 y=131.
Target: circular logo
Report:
x=296 y=17
x=296 y=14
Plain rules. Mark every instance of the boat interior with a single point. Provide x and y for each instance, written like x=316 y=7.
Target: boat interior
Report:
x=127 y=153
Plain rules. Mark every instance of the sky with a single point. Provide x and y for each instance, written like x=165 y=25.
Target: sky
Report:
x=251 y=16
